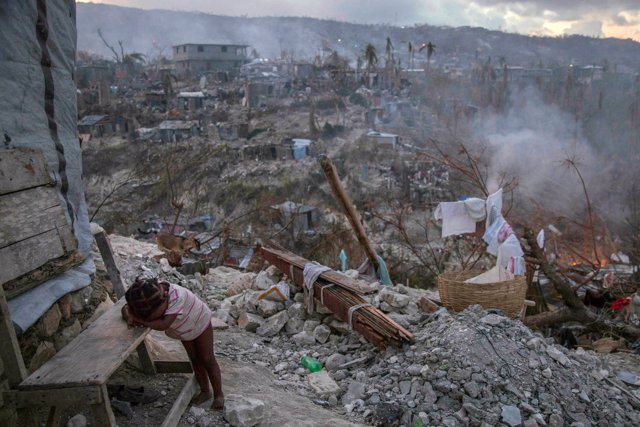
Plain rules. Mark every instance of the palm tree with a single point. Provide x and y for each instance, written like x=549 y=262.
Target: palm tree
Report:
x=389 y=49
x=431 y=49
x=167 y=83
x=371 y=58
x=412 y=52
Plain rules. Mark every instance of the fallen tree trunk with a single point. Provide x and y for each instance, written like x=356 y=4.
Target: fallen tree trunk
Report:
x=574 y=309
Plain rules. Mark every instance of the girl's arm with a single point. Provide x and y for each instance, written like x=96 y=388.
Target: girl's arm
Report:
x=160 y=324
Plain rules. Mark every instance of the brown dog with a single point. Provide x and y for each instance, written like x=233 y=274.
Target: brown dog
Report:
x=169 y=242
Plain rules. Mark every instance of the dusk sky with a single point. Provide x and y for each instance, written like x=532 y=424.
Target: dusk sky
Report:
x=605 y=18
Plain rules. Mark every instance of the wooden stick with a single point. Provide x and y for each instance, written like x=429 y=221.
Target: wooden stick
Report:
x=181 y=403
x=352 y=215
x=10 y=349
x=102 y=240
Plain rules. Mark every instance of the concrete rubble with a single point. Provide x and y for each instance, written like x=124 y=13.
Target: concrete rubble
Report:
x=471 y=368
x=241 y=411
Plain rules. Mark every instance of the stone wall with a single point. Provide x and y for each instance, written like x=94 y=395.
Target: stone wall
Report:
x=56 y=328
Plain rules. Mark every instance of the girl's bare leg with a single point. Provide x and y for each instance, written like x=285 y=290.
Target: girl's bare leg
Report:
x=204 y=345
x=199 y=371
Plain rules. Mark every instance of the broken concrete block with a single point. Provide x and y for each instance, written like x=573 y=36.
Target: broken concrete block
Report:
x=250 y=301
x=250 y=322
x=273 y=324
x=223 y=315
x=323 y=385
x=241 y=411
x=511 y=415
x=340 y=327
x=321 y=333
x=197 y=412
x=334 y=361
x=356 y=391
x=557 y=355
x=310 y=326
x=394 y=299
x=297 y=311
x=263 y=281
x=50 y=321
x=267 y=308
x=294 y=326
x=493 y=319
x=229 y=305
x=304 y=338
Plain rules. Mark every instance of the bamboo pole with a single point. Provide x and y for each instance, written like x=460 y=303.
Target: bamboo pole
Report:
x=352 y=214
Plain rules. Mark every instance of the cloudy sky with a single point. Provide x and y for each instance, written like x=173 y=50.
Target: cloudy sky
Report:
x=605 y=18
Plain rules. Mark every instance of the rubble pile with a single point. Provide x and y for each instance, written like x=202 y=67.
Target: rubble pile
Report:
x=472 y=368
x=477 y=367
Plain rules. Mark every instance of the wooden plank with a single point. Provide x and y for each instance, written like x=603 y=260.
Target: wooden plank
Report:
x=92 y=356
x=68 y=396
x=109 y=261
x=182 y=402
x=29 y=213
x=48 y=270
x=173 y=366
x=344 y=200
x=145 y=359
x=22 y=168
x=332 y=276
x=102 y=413
x=9 y=349
x=27 y=255
x=55 y=416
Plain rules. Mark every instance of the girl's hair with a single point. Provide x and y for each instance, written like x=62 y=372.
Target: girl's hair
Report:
x=145 y=295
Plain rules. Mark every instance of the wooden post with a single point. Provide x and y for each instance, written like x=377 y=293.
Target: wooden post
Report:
x=181 y=403
x=109 y=261
x=146 y=362
x=9 y=349
x=343 y=198
x=102 y=412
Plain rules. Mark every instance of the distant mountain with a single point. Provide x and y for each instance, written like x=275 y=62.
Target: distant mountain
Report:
x=154 y=31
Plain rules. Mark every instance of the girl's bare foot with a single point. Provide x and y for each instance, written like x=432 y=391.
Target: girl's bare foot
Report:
x=218 y=403
x=201 y=398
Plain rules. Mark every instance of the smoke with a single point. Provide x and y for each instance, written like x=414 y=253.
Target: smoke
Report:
x=154 y=32
x=533 y=142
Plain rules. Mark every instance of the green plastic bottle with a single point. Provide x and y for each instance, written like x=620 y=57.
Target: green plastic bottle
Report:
x=312 y=364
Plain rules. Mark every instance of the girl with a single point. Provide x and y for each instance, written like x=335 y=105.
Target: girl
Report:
x=171 y=308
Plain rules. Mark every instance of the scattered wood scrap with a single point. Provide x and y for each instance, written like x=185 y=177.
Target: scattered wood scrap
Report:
x=338 y=293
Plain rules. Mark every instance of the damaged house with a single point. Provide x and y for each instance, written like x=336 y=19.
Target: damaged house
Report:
x=196 y=59
x=300 y=217
x=191 y=101
x=96 y=126
x=289 y=149
x=176 y=130
x=232 y=131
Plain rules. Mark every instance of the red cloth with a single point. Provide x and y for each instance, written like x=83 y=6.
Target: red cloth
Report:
x=619 y=303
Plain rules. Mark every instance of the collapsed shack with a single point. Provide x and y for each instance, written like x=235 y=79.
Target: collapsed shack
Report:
x=338 y=293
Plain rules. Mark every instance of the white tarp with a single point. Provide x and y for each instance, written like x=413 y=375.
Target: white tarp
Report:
x=38 y=110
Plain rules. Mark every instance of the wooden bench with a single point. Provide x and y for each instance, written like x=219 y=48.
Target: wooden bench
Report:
x=78 y=373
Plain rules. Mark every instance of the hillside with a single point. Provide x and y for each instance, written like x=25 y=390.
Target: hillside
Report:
x=154 y=31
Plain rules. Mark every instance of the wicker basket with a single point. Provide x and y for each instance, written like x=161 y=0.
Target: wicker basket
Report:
x=456 y=295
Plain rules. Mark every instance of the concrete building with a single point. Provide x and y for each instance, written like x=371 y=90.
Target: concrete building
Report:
x=195 y=59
